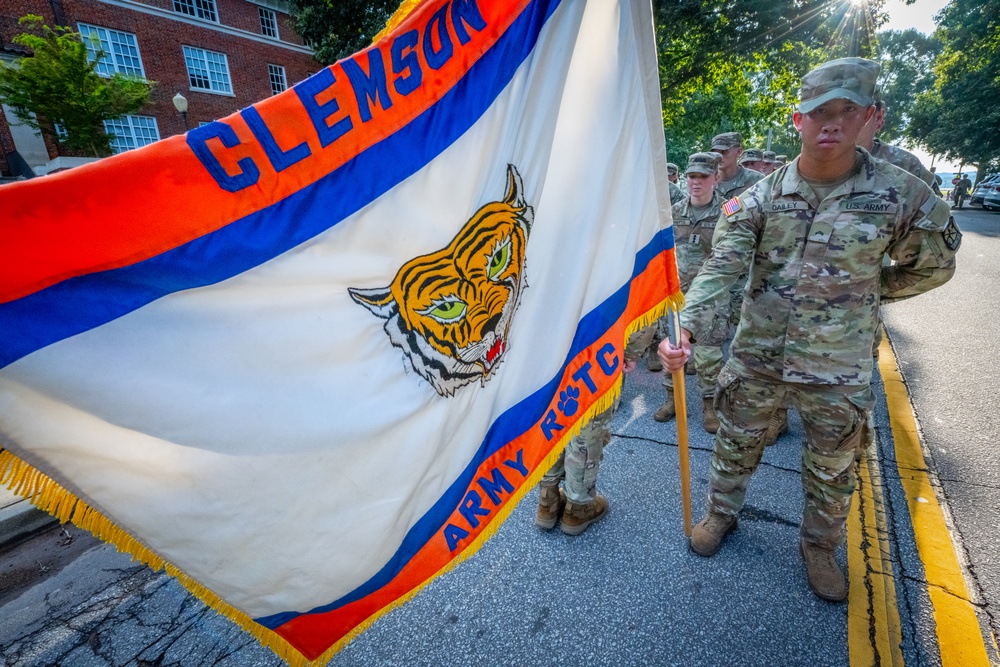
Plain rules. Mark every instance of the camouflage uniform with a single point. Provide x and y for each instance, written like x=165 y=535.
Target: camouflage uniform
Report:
x=816 y=281
x=962 y=190
x=738 y=184
x=693 y=235
x=579 y=463
x=728 y=190
x=676 y=194
x=903 y=159
x=907 y=161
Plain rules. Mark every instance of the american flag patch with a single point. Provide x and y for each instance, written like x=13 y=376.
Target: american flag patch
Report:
x=732 y=206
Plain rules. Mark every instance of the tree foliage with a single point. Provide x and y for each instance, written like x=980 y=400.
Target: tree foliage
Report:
x=907 y=59
x=338 y=28
x=960 y=116
x=724 y=64
x=59 y=85
x=735 y=65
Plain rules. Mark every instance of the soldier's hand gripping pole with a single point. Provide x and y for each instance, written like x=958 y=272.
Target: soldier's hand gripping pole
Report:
x=680 y=407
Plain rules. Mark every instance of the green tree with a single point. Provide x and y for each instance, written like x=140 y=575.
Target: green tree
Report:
x=735 y=65
x=338 y=28
x=907 y=58
x=960 y=117
x=59 y=85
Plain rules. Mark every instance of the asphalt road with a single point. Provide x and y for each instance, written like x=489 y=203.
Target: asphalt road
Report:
x=626 y=592
x=949 y=352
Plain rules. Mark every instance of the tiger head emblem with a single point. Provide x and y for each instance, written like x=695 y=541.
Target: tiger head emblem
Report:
x=450 y=311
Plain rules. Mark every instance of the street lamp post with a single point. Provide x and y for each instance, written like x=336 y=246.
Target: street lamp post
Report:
x=181 y=104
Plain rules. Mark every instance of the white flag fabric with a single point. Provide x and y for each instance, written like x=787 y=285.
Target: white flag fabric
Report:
x=309 y=356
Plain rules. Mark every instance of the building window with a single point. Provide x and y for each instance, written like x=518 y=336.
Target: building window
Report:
x=203 y=9
x=268 y=22
x=207 y=70
x=276 y=73
x=120 y=49
x=130 y=132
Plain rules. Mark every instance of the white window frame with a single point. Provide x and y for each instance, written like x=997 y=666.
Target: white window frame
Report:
x=206 y=10
x=138 y=131
x=114 y=43
x=203 y=58
x=268 y=15
x=276 y=75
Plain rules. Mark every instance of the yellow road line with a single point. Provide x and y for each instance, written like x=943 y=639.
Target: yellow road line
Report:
x=873 y=630
x=959 y=637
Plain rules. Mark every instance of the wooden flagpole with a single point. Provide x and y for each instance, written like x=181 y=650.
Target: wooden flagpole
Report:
x=680 y=407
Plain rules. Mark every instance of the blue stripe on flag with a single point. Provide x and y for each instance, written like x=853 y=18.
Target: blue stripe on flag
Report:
x=508 y=426
x=86 y=302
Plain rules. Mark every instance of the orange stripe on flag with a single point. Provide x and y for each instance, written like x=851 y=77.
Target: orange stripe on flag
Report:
x=72 y=223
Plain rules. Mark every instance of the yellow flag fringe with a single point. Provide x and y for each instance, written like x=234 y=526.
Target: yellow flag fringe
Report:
x=47 y=494
x=397 y=17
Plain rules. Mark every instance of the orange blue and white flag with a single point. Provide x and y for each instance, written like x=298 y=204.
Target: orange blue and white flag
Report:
x=309 y=356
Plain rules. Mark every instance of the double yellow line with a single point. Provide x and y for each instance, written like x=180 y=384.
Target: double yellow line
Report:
x=873 y=617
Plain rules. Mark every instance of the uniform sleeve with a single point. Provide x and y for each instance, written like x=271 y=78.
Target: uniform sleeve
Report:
x=924 y=252
x=638 y=342
x=732 y=251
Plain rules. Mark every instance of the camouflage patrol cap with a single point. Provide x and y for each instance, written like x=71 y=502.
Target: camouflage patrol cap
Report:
x=717 y=156
x=781 y=159
x=702 y=163
x=752 y=155
x=845 y=78
x=672 y=168
x=727 y=140
x=769 y=157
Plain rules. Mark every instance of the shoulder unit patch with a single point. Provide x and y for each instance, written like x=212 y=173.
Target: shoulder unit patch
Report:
x=952 y=235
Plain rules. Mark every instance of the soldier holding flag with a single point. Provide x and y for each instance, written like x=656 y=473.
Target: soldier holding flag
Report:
x=813 y=237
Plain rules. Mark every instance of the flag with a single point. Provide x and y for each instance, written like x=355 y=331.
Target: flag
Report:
x=308 y=357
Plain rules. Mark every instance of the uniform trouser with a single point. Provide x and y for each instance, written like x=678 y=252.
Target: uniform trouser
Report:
x=579 y=463
x=834 y=419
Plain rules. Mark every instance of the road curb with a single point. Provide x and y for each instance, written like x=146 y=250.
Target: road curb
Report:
x=21 y=520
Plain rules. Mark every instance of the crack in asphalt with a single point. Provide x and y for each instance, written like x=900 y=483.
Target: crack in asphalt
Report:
x=773 y=466
x=869 y=571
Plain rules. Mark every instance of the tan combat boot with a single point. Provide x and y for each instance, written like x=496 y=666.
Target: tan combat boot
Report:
x=551 y=501
x=777 y=426
x=706 y=537
x=709 y=419
x=653 y=362
x=576 y=517
x=666 y=411
x=825 y=576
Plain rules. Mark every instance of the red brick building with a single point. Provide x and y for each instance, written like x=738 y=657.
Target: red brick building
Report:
x=221 y=55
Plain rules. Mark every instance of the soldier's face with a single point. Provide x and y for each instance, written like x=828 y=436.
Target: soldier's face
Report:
x=756 y=165
x=831 y=130
x=729 y=157
x=700 y=188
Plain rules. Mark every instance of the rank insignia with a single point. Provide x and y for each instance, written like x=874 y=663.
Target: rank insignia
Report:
x=732 y=206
